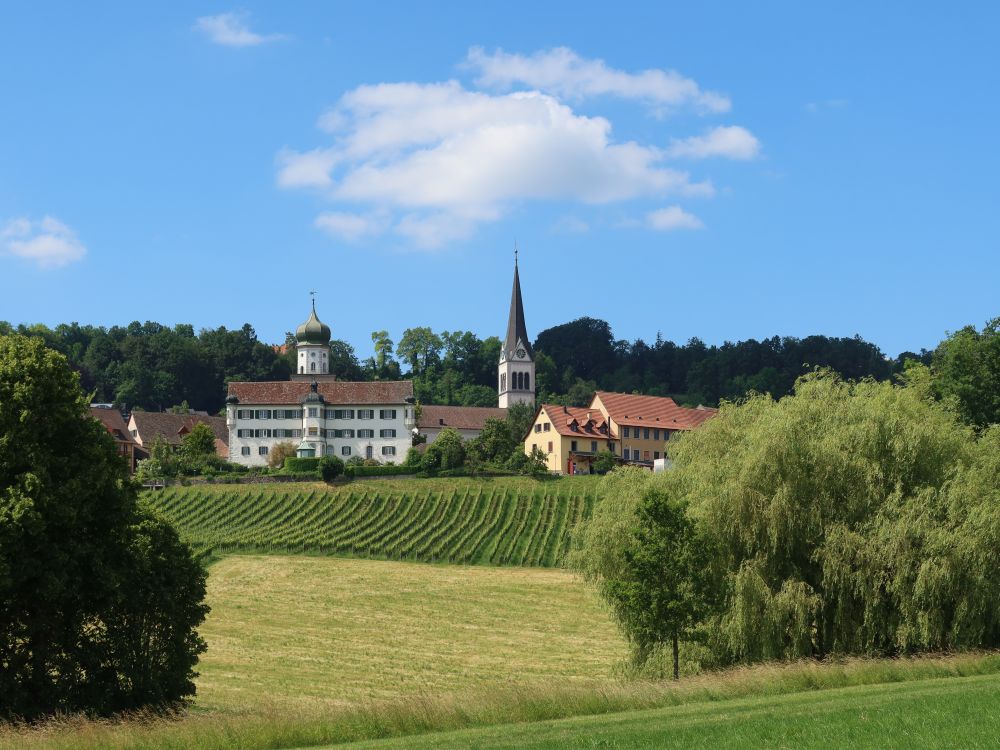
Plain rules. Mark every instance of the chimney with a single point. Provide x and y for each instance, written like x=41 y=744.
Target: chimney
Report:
x=565 y=410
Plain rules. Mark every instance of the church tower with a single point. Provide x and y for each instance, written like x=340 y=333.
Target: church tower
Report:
x=312 y=345
x=516 y=371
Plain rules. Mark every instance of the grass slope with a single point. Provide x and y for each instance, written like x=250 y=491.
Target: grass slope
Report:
x=321 y=631
x=963 y=712
x=493 y=521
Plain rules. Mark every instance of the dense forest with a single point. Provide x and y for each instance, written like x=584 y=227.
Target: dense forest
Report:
x=156 y=367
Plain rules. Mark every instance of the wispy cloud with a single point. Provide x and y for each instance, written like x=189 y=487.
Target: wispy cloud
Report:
x=562 y=72
x=350 y=227
x=48 y=243
x=673 y=217
x=814 y=107
x=232 y=30
x=731 y=142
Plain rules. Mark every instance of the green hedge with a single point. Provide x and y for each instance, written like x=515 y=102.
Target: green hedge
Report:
x=378 y=471
x=295 y=465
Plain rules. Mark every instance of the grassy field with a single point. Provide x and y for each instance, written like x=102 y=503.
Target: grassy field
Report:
x=322 y=631
x=955 y=713
x=492 y=521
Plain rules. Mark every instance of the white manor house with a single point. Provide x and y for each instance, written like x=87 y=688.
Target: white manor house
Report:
x=323 y=416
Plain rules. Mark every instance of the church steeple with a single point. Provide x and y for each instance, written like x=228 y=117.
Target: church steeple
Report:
x=516 y=329
x=516 y=370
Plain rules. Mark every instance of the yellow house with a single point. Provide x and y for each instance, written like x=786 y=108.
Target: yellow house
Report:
x=634 y=428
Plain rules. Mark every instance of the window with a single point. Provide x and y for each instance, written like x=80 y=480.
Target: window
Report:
x=133 y=433
x=328 y=414
x=503 y=382
x=593 y=446
x=387 y=414
x=527 y=382
x=626 y=453
x=260 y=433
x=313 y=411
x=538 y=428
x=343 y=413
x=314 y=431
x=366 y=414
x=312 y=354
x=366 y=433
x=656 y=434
x=388 y=450
x=263 y=414
x=296 y=433
x=550 y=446
x=534 y=447
x=387 y=433
x=345 y=451
x=262 y=451
x=645 y=455
x=572 y=445
x=547 y=427
x=329 y=448
x=245 y=450
x=369 y=453
x=656 y=454
x=645 y=433
x=666 y=434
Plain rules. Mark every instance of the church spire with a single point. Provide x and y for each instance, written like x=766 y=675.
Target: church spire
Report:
x=516 y=329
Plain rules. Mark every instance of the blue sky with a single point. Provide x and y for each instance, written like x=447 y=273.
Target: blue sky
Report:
x=717 y=170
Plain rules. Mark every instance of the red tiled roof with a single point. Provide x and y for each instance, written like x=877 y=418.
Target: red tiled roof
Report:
x=113 y=423
x=652 y=411
x=173 y=427
x=459 y=417
x=285 y=392
x=562 y=418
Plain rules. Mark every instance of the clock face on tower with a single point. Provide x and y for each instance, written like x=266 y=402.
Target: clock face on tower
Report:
x=520 y=353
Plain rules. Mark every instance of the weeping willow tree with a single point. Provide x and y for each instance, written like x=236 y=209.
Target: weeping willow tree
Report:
x=849 y=517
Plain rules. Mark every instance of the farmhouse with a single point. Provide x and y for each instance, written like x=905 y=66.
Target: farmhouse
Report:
x=147 y=426
x=113 y=422
x=634 y=428
x=467 y=420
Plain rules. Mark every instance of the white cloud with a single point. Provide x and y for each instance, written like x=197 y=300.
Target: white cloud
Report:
x=431 y=162
x=231 y=30
x=350 y=227
x=570 y=225
x=447 y=159
x=48 y=243
x=731 y=142
x=562 y=72
x=673 y=217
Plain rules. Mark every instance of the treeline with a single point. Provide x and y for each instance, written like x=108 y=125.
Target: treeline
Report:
x=154 y=367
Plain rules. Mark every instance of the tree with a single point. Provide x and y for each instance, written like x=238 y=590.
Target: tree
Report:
x=967 y=371
x=383 y=360
x=420 y=348
x=665 y=590
x=604 y=462
x=199 y=444
x=75 y=594
x=446 y=452
x=278 y=453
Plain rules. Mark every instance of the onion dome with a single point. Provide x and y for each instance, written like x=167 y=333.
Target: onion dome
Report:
x=313 y=331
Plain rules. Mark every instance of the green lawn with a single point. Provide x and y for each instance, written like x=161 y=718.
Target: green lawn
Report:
x=949 y=713
x=487 y=521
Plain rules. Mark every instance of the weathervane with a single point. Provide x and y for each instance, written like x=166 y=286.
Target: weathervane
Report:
x=313 y=295
x=515 y=252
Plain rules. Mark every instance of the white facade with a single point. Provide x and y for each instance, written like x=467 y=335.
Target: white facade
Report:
x=312 y=359
x=379 y=431
x=516 y=377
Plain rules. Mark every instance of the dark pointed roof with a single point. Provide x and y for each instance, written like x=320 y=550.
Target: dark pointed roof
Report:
x=515 y=321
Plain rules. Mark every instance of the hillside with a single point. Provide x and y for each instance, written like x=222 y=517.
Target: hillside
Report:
x=499 y=521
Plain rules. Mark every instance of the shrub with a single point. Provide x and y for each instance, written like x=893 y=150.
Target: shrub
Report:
x=330 y=467
x=276 y=457
x=295 y=465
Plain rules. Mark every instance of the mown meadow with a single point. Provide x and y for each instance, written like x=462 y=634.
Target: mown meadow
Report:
x=491 y=521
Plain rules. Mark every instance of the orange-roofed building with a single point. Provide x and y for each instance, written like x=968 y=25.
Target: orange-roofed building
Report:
x=636 y=429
